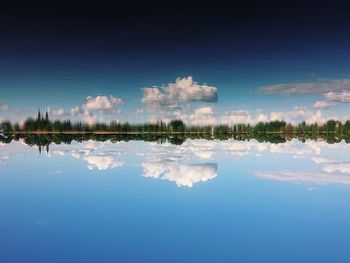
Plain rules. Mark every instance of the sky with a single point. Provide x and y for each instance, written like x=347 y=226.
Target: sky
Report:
x=199 y=62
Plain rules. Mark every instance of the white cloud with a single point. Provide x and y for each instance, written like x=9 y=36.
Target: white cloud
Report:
x=102 y=162
x=204 y=154
x=297 y=115
x=58 y=113
x=262 y=118
x=89 y=118
x=234 y=117
x=174 y=99
x=80 y=153
x=101 y=103
x=243 y=148
x=315 y=87
x=179 y=163
x=75 y=111
x=343 y=168
x=203 y=149
x=343 y=96
x=183 y=90
x=97 y=156
x=58 y=153
x=308 y=177
x=329 y=168
x=321 y=159
x=321 y=104
x=201 y=116
x=207 y=116
x=91 y=107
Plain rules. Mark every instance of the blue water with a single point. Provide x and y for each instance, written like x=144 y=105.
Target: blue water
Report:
x=202 y=201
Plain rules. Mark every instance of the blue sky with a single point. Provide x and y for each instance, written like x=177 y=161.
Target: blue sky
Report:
x=58 y=58
x=61 y=85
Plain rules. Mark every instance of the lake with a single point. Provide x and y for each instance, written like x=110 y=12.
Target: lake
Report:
x=197 y=200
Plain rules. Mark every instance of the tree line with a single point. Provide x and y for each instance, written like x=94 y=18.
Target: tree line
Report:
x=43 y=124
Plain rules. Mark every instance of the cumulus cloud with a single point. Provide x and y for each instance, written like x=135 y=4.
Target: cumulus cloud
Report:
x=102 y=162
x=202 y=116
x=203 y=149
x=89 y=118
x=177 y=163
x=313 y=87
x=97 y=157
x=98 y=104
x=101 y=103
x=182 y=174
x=173 y=99
x=75 y=111
x=243 y=148
x=87 y=149
x=90 y=109
x=183 y=90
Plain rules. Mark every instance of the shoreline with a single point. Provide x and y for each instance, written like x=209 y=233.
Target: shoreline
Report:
x=157 y=133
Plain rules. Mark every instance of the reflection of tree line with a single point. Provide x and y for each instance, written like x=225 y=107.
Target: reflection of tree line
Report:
x=175 y=132
x=44 y=140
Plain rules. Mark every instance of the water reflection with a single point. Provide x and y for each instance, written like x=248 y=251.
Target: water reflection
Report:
x=196 y=161
x=168 y=162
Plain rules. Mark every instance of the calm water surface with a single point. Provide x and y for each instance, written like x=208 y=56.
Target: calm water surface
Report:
x=201 y=201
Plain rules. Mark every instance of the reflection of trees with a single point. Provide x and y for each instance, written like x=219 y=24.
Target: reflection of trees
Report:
x=43 y=124
x=5 y=139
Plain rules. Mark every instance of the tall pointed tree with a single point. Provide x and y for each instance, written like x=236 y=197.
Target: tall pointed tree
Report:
x=39 y=115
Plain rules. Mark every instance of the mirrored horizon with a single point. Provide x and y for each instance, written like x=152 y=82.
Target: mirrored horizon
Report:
x=187 y=162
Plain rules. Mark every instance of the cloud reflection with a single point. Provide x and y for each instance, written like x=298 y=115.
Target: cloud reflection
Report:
x=306 y=177
x=101 y=162
x=182 y=174
x=197 y=160
x=97 y=156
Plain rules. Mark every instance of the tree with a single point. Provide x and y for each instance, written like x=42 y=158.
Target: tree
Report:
x=39 y=116
x=289 y=128
x=331 y=125
x=177 y=126
x=6 y=126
